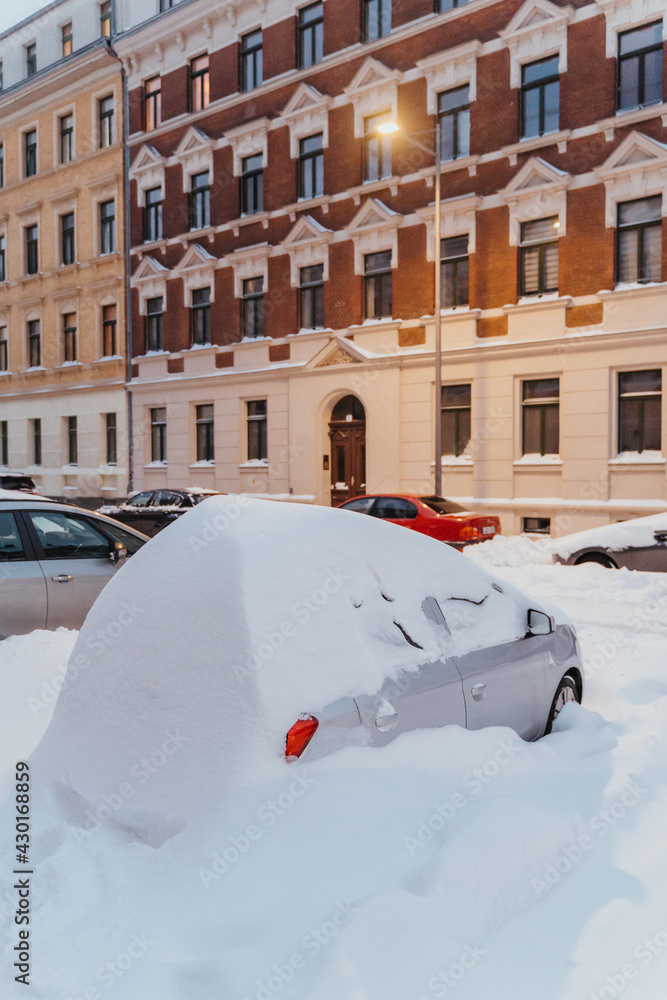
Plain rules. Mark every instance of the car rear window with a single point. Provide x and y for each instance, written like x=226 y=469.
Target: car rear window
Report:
x=442 y=506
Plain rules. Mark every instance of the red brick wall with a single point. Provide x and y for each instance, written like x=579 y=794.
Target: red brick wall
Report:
x=343 y=295
x=413 y=278
x=280 y=302
x=224 y=72
x=494 y=277
x=586 y=252
x=588 y=88
x=279 y=53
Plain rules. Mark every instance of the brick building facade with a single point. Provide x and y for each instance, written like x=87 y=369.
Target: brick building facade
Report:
x=283 y=251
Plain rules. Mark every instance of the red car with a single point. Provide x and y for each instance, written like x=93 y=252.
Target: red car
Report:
x=435 y=516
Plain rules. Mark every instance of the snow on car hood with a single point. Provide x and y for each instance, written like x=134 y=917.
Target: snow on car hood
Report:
x=626 y=534
x=212 y=641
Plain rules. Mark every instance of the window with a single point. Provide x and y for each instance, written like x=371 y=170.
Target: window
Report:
x=105 y=19
x=539 y=97
x=67 y=138
x=310 y=35
x=454 y=271
x=4 y=443
x=200 y=85
x=4 y=353
x=2 y=77
x=454 y=123
x=67 y=40
x=394 y=509
x=2 y=163
x=375 y=19
x=111 y=438
x=311 y=297
x=200 y=316
x=640 y=66
x=204 y=432
x=253 y=307
x=37 y=442
x=257 y=438
x=30 y=153
x=444 y=5
x=251 y=60
x=34 y=344
x=455 y=419
x=377 y=150
x=166 y=4
x=108 y=331
x=200 y=201
x=537 y=525
x=67 y=249
x=159 y=434
x=69 y=336
x=639 y=410
x=72 y=440
x=377 y=267
x=311 y=167
x=154 y=312
x=3 y=258
x=252 y=185
x=31 y=59
x=32 y=249
x=105 y=110
x=107 y=226
x=152 y=103
x=540 y=416
x=68 y=536
x=639 y=240
x=153 y=215
x=538 y=257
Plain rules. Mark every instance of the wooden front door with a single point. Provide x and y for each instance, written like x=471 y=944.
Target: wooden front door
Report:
x=348 y=460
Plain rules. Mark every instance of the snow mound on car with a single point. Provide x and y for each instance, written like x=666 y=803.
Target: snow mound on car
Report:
x=638 y=532
x=215 y=638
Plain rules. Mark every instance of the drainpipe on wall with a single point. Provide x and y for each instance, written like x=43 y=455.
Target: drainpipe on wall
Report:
x=127 y=265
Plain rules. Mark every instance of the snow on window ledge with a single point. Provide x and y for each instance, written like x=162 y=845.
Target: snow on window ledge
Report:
x=157 y=464
x=204 y=463
x=255 y=463
x=638 y=458
x=535 y=459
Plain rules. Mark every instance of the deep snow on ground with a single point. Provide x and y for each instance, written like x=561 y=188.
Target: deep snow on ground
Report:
x=466 y=865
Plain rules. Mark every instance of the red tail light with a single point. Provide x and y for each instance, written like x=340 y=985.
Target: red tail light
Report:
x=470 y=533
x=300 y=736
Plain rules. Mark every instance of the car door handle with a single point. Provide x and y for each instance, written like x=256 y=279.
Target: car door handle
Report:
x=63 y=578
x=387 y=717
x=478 y=691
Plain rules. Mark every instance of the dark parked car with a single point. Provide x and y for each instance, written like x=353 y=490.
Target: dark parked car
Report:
x=152 y=510
x=435 y=516
x=17 y=481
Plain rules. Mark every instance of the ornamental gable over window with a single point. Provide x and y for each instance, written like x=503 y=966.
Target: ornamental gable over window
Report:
x=197 y=268
x=151 y=279
x=373 y=229
x=373 y=90
x=248 y=140
x=537 y=190
x=537 y=30
x=307 y=244
x=195 y=153
x=449 y=69
x=636 y=169
x=306 y=113
x=148 y=171
x=621 y=15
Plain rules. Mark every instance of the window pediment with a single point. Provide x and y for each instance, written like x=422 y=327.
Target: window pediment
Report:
x=537 y=190
x=537 y=30
x=306 y=113
x=197 y=269
x=195 y=153
x=374 y=89
x=151 y=279
x=374 y=228
x=636 y=169
x=148 y=171
x=451 y=68
x=307 y=244
x=458 y=217
x=248 y=140
x=250 y=262
x=623 y=14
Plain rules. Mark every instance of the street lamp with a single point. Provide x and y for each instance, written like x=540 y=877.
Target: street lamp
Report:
x=388 y=128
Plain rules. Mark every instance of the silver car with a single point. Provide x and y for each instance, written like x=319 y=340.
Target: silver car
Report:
x=522 y=684
x=55 y=559
x=640 y=544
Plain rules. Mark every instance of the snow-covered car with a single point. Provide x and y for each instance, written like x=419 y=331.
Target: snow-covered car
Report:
x=152 y=510
x=265 y=630
x=55 y=559
x=637 y=544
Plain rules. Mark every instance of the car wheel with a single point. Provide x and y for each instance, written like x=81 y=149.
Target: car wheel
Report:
x=597 y=557
x=567 y=691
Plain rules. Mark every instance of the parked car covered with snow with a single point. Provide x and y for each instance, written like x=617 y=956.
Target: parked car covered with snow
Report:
x=637 y=544
x=152 y=510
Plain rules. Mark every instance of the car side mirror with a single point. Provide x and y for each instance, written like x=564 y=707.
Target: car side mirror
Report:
x=540 y=623
x=118 y=554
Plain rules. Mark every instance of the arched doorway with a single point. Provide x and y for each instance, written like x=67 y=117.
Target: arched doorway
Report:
x=347 y=432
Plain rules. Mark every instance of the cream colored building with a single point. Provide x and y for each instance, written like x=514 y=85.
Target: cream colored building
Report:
x=62 y=373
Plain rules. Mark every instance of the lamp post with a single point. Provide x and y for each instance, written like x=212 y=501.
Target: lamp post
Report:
x=387 y=128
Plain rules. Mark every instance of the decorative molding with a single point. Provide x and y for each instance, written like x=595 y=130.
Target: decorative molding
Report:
x=373 y=229
x=451 y=68
x=148 y=169
x=307 y=244
x=195 y=153
x=623 y=14
x=197 y=269
x=306 y=113
x=537 y=190
x=151 y=279
x=248 y=140
x=636 y=169
x=459 y=216
x=537 y=30
x=373 y=90
x=250 y=262
x=336 y=352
